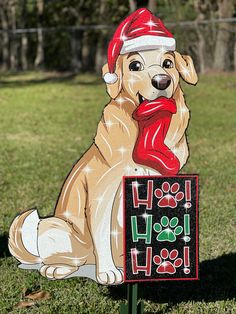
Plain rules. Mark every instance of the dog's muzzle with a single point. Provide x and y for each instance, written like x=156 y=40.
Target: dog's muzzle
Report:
x=161 y=81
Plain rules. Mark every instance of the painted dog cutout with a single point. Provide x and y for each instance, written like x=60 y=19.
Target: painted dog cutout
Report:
x=141 y=132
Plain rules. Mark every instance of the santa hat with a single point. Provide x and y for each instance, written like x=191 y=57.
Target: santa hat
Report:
x=138 y=32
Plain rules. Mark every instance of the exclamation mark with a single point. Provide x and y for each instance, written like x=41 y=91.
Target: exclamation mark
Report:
x=186 y=260
x=188 y=194
x=186 y=228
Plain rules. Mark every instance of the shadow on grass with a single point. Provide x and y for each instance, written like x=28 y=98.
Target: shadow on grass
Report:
x=50 y=78
x=217 y=282
x=4 y=252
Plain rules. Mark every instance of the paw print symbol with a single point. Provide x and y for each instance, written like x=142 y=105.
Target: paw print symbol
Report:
x=168 y=230
x=167 y=199
x=167 y=266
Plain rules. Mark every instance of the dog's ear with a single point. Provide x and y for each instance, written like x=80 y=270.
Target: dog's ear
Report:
x=184 y=65
x=114 y=89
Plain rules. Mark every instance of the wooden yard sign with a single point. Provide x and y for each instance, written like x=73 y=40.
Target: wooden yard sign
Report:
x=161 y=228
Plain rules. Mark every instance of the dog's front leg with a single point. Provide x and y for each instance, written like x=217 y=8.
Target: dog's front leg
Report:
x=100 y=227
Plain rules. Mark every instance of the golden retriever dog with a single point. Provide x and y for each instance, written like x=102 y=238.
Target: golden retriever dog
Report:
x=87 y=226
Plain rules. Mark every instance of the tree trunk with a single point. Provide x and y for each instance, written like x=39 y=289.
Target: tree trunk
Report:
x=235 y=54
x=224 y=36
x=39 y=60
x=75 y=50
x=100 y=52
x=206 y=33
x=85 y=51
x=201 y=49
x=152 y=6
x=24 y=38
x=5 y=39
x=24 y=49
x=13 y=43
x=132 y=6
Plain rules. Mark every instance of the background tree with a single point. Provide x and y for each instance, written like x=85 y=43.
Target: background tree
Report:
x=24 y=37
x=72 y=35
x=132 y=6
x=102 y=38
x=152 y=5
x=206 y=33
x=5 y=35
x=13 y=42
x=225 y=37
x=39 y=60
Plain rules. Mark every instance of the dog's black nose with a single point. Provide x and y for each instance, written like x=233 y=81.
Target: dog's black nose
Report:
x=161 y=81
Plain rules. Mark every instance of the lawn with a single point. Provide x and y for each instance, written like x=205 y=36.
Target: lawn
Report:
x=47 y=122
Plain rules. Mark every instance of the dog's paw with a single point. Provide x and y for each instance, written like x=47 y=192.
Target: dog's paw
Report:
x=112 y=276
x=56 y=271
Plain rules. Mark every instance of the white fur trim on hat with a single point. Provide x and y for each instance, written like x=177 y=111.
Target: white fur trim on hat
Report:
x=148 y=42
x=110 y=78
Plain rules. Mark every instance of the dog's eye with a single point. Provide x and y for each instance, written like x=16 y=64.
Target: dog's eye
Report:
x=167 y=63
x=136 y=66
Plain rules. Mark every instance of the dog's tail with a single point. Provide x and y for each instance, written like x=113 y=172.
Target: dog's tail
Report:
x=23 y=237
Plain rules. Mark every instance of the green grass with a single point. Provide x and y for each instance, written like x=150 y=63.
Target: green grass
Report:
x=47 y=123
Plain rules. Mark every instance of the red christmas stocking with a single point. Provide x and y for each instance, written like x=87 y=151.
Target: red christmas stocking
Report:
x=154 y=120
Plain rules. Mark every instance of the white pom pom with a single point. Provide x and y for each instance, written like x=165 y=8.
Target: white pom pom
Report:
x=110 y=78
